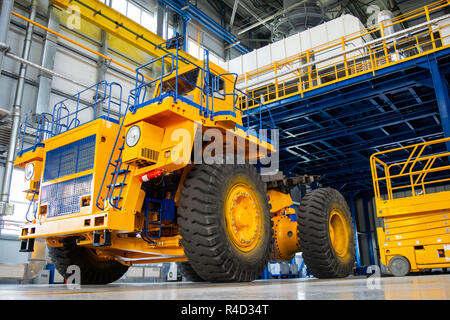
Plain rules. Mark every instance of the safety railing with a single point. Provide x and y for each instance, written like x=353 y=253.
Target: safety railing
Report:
x=348 y=57
x=410 y=171
x=209 y=86
x=142 y=91
x=71 y=113
x=82 y=107
x=33 y=131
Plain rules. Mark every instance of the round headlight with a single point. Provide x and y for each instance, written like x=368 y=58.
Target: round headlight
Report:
x=29 y=171
x=133 y=136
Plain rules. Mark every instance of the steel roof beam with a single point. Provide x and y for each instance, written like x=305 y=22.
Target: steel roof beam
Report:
x=355 y=113
x=418 y=113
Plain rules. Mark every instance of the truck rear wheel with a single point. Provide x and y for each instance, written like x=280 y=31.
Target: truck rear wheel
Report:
x=93 y=269
x=225 y=222
x=325 y=229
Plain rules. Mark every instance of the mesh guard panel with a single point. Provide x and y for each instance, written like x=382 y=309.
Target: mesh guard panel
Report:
x=69 y=159
x=65 y=197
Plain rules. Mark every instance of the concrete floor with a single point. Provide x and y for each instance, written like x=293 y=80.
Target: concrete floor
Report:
x=423 y=287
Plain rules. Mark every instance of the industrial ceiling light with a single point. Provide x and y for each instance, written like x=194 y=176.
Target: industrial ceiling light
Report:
x=133 y=136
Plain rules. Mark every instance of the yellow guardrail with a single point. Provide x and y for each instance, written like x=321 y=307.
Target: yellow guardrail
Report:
x=371 y=57
x=411 y=174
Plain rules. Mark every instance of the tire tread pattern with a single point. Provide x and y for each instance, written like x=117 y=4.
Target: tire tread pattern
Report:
x=208 y=251
x=312 y=228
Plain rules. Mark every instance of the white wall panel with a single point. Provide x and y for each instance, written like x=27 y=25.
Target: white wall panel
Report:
x=236 y=65
x=293 y=45
x=249 y=61
x=298 y=43
x=278 y=50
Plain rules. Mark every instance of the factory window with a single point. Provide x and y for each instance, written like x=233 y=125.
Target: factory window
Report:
x=196 y=51
x=10 y=225
x=134 y=12
x=148 y=21
x=119 y=5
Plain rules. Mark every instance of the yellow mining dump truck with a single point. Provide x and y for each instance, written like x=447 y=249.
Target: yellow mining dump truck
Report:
x=133 y=186
x=414 y=205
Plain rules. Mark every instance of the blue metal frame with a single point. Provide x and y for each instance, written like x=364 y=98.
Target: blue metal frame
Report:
x=332 y=131
x=189 y=11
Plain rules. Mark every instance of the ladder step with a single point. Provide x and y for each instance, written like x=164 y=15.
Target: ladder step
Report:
x=116 y=185
x=116 y=198
x=120 y=172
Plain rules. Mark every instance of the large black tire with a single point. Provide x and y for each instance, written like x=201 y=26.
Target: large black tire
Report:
x=188 y=272
x=313 y=217
x=203 y=226
x=93 y=269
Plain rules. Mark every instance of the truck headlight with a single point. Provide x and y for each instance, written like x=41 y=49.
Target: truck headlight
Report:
x=29 y=171
x=133 y=136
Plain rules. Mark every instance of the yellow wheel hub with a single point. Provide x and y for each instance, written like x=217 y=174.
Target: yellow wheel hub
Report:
x=286 y=239
x=243 y=217
x=339 y=233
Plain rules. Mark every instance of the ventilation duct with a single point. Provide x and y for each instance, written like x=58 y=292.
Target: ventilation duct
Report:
x=299 y=19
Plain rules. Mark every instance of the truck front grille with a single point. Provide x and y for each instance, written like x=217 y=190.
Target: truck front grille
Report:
x=65 y=197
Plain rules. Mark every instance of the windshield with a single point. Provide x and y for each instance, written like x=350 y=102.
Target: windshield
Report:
x=186 y=82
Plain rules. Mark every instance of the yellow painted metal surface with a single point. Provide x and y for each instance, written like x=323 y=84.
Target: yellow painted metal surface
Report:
x=279 y=201
x=416 y=217
x=373 y=58
x=285 y=234
x=119 y=26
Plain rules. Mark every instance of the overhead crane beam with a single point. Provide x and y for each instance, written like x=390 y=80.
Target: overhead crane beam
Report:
x=121 y=27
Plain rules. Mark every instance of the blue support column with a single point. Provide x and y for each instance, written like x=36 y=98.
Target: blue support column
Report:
x=185 y=21
x=368 y=231
x=442 y=96
x=351 y=199
x=265 y=274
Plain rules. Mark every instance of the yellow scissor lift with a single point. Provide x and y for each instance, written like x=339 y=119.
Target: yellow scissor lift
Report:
x=414 y=203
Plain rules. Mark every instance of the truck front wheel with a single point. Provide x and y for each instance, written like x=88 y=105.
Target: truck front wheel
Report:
x=225 y=222
x=93 y=269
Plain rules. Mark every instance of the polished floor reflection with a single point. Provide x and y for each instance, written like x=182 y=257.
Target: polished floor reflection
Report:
x=412 y=287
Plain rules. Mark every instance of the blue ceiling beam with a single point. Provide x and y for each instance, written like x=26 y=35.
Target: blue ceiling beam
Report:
x=381 y=141
x=418 y=113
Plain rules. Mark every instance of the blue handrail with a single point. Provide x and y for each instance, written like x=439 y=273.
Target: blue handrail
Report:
x=39 y=128
x=140 y=90
x=63 y=119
